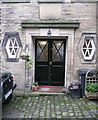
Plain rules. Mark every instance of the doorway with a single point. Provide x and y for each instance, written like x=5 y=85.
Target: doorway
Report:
x=50 y=61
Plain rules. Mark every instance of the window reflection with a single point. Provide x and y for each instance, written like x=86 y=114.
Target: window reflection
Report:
x=42 y=51
x=57 y=51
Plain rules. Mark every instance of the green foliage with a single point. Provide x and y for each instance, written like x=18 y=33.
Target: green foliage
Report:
x=29 y=61
x=92 y=87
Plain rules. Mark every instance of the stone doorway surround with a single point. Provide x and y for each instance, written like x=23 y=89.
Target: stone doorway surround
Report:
x=62 y=30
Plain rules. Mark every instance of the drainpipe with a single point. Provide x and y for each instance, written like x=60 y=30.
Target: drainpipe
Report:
x=97 y=35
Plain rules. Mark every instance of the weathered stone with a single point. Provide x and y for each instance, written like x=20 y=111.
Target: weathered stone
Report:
x=59 y=116
x=58 y=112
x=64 y=113
x=71 y=114
x=14 y=14
x=30 y=111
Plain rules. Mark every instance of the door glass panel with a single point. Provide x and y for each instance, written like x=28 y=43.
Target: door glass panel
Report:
x=50 y=62
x=57 y=51
x=42 y=50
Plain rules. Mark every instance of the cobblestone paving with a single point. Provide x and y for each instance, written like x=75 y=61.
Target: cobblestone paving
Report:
x=56 y=106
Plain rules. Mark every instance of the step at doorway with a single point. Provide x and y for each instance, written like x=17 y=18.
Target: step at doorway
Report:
x=52 y=89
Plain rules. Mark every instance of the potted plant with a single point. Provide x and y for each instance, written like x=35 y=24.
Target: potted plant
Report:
x=91 y=90
x=35 y=87
x=24 y=56
x=28 y=59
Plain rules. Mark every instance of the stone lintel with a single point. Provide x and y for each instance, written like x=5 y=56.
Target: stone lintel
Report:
x=50 y=24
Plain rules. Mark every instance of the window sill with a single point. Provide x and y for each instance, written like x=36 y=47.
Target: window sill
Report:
x=15 y=1
x=50 y=1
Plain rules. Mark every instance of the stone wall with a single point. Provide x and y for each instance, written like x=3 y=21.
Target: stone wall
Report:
x=86 y=14
x=13 y=14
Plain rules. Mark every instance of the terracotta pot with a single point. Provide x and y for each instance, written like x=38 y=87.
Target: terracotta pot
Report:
x=35 y=89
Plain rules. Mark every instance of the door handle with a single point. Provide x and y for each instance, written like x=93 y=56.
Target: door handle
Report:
x=50 y=63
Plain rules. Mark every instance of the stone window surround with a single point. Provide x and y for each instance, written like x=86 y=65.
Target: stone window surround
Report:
x=83 y=36
x=4 y=44
x=88 y=45
x=11 y=45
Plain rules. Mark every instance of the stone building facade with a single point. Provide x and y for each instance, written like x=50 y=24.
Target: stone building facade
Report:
x=60 y=35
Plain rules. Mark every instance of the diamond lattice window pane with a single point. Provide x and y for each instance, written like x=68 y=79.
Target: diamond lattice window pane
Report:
x=84 y=46
x=88 y=48
x=90 y=45
x=12 y=47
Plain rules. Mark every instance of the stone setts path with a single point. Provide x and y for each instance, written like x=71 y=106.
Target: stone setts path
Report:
x=50 y=106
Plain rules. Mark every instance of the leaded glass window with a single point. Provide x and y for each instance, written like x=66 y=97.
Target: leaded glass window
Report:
x=57 y=51
x=42 y=50
x=12 y=47
x=88 y=48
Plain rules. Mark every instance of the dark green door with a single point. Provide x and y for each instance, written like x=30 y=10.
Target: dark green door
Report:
x=50 y=62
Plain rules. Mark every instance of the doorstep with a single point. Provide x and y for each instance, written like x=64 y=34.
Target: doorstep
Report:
x=31 y=94
x=51 y=89
x=46 y=93
x=42 y=90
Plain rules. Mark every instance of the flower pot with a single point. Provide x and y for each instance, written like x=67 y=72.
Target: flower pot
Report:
x=23 y=57
x=91 y=95
x=35 y=88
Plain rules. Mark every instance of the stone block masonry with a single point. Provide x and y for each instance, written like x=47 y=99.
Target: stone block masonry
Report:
x=14 y=14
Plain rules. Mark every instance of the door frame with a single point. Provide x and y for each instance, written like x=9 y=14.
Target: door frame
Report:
x=63 y=33
x=33 y=55
x=53 y=39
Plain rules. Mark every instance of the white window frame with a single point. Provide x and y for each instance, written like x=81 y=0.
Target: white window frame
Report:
x=90 y=56
x=6 y=45
x=13 y=47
